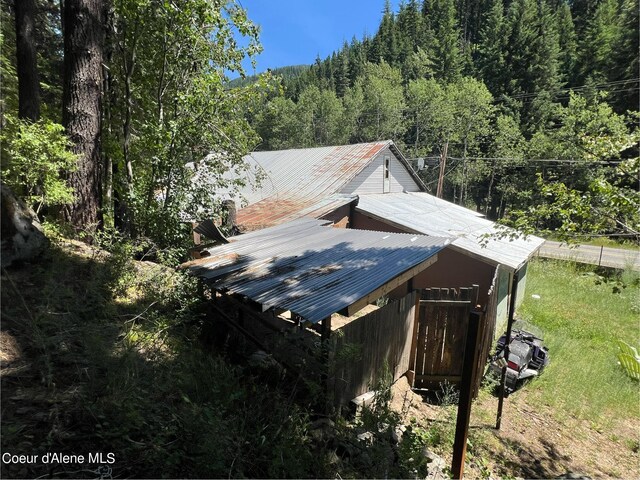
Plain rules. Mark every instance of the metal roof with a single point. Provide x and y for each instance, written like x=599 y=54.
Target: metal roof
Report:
x=423 y=213
x=273 y=211
x=282 y=182
x=312 y=269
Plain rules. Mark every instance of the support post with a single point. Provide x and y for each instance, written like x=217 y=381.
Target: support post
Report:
x=503 y=374
x=466 y=395
x=326 y=374
x=443 y=164
x=600 y=259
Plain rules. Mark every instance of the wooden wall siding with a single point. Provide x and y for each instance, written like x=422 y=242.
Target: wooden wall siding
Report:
x=363 y=346
x=522 y=286
x=486 y=335
x=370 y=179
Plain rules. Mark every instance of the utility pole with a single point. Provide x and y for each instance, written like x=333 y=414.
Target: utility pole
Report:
x=443 y=164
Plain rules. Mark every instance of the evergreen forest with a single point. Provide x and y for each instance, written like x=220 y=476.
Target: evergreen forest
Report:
x=532 y=106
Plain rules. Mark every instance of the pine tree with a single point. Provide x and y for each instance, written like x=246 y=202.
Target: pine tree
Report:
x=493 y=49
x=357 y=59
x=533 y=60
x=341 y=72
x=601 y=36
x=82 y=109
x=626 y=58
x=568 y=42
x=448 y=58
x=27 y=68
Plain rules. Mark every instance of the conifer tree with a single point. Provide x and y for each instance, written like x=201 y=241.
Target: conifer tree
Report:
x=448 y=56
x=492 y=50
x=567 y=41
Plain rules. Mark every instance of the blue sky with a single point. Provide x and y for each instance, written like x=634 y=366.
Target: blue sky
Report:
x=295 y=32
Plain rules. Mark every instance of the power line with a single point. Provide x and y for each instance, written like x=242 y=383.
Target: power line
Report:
x=544 y=160
x=576 y=88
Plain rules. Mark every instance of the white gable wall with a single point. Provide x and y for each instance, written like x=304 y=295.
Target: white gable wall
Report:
x=371 y=178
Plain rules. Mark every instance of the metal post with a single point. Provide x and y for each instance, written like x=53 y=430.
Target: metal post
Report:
x=600 y=259
x=466 y=395
x=503 y=376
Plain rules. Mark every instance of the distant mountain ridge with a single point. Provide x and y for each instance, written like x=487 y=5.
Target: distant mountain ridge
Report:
x=287 y=73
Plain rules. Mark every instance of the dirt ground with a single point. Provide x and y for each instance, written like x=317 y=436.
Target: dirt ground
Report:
x=533 y=442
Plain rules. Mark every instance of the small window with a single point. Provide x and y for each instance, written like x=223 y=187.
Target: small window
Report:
x=386 y=168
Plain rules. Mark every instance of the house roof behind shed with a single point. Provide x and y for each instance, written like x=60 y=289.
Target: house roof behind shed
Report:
x=423 y=213
x=273 y=211
x=312 y=269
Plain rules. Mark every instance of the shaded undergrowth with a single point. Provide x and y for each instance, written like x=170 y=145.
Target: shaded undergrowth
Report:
x=101 y=354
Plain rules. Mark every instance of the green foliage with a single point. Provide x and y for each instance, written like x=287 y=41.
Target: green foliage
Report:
x=35 y=159
x=170 y=108
x=578 y=315
x=383 y=103
x=584 y=198
x=128 y=370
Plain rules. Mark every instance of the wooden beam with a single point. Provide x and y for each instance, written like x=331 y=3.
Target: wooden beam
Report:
x=447 y=303
x=390 y=285
x=326 y=328
x=503 y=374
x=466 y=395
x=414 y=341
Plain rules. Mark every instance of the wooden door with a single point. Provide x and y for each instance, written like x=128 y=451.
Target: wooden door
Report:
x=439 y=336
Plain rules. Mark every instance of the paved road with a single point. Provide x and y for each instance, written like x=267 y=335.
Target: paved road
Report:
x=605 y=256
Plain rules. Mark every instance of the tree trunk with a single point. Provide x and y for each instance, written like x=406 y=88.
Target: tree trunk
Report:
x=27 y=68
x=81 y=106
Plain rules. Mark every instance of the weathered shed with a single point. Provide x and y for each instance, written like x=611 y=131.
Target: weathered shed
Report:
x=303 y=273
x=314 y=270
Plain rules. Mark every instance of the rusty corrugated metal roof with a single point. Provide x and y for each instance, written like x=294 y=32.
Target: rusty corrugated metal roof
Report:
x=310 y=268
x=283 y=183
x=273 y=211
x=307 y=173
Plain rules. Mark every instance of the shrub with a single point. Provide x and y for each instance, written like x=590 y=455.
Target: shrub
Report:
x=35 y=158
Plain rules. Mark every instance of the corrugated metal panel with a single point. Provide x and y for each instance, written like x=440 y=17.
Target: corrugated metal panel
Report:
x=424 y=213
x=311 y=269
x=283 y=182
x=272 y=211
x=370 y=180
x=305 y=172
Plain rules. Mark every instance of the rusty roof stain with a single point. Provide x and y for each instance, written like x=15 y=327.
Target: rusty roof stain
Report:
x=287 y=184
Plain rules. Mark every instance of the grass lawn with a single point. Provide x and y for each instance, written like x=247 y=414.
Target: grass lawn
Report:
x=582 y=318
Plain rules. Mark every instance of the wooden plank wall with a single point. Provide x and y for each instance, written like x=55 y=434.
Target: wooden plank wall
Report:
x=442 y=330
x=363 y=347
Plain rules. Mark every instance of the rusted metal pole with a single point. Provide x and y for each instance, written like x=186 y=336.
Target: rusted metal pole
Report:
x=466 y=395
x=503 y=375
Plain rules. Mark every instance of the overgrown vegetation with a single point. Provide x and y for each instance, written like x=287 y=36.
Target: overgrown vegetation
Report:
x=582 y=320
x=105 y=354
x=35 y=159
x=110 y=360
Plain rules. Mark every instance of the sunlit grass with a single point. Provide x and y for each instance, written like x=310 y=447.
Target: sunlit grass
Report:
x=582 y=319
